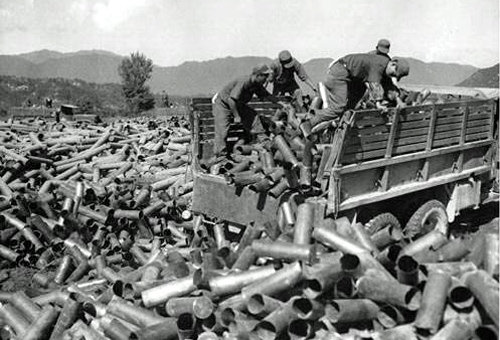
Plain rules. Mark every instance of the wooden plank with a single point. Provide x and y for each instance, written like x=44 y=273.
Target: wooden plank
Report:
x=408 y=188
x=406 y=140
x=357 y=140
x=403 y=126
x=371 y=130
x=477 y=136
x=479 y=116
x=415 y=116
x=432 y=128
x=253 y=105
x=201 y=100
x=392 y=135
x=481 y=122
x=372 y=121
x=449 y=120
x=424 y=131
x=418 y=155
x=403 y=146
x=484 y=128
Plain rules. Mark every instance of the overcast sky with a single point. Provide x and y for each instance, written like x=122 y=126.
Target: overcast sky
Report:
x=173 y=31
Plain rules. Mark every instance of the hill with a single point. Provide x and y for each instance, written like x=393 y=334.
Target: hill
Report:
x=191 y=78
x=485 y=77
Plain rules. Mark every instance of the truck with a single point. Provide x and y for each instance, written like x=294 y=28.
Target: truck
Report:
x=418 y=166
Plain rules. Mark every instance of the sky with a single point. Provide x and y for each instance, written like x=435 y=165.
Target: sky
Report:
x=171 y=32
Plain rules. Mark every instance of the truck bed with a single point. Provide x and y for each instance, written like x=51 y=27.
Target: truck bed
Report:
x=374 y=157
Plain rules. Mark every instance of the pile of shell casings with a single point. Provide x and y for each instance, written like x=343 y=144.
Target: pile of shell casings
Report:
x=120 y=256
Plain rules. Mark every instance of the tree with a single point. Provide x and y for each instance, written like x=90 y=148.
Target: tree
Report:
x=135 y=71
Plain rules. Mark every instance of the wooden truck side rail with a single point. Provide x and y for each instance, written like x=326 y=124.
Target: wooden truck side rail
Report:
x=413 y=149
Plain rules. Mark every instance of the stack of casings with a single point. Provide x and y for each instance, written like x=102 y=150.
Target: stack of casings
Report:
x=286 y=161
x=121 y=257
x=82 y=203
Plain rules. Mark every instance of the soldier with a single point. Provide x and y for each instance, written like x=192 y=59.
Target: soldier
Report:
x=283 y=74
x=382 y=48
x=230 y=104
x=351 y=76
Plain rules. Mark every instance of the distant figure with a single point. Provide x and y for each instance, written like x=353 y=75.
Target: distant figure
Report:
x=349 y=78
x=230 y=104
x=48 y=102
x=283 y=74
x=382 y=48
x=165 y=99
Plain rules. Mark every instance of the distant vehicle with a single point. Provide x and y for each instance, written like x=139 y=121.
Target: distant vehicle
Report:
x=65 y=111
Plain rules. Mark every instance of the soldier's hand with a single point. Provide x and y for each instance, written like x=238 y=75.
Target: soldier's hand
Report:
x=381 y=107
x=237 y=119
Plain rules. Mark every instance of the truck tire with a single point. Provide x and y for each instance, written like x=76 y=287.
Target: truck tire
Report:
x=431 y=215
x=381 y=221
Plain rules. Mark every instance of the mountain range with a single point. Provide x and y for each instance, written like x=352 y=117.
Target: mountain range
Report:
x=485 y=77
x=192 y=78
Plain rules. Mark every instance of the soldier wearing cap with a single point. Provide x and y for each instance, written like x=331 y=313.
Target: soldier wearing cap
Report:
x=382 y=48
x=230 y=104
x=283 y=74
x=351 y=76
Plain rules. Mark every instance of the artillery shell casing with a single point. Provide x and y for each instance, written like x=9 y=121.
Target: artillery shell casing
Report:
x=485 y=289
x=128 y=214
x=114 y=328
x=261 y=305
x=40 y=328
x=390 y=316
x=284 y=250
x=285 y=150
x=153 y=208
x=304 y=224
x=251 y=233
x=67 y=317
x=167 y=330
x=433 y=302
x=361 y=236
x=391 y=292
x=334 y=240
x=201 y=306
x=283 y=279
x=14 y=318
x=278 y=189
x=234 y=282
x=276 y=323
x=407 y=270
x=9 y=254
x=246 y=258
x=387 y=236
x=431 y=240
x=185 y=326
x=63 y=270
x=25 y=305
x=351 y=310
x=461 y=298
x=162 y=293
x=141 y=317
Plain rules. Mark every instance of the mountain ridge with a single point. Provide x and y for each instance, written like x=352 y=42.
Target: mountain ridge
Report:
x=193 y=77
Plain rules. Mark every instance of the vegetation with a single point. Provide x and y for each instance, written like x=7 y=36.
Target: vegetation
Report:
x=103 y=99
x=135 y=71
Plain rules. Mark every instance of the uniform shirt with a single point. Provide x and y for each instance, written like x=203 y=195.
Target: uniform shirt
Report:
x=379 y=53
x=242 y=90
x=367 y=68
x=284 y=75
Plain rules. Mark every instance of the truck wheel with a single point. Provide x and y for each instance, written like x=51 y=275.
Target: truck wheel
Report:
x=381 y=221
x=430 y=216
